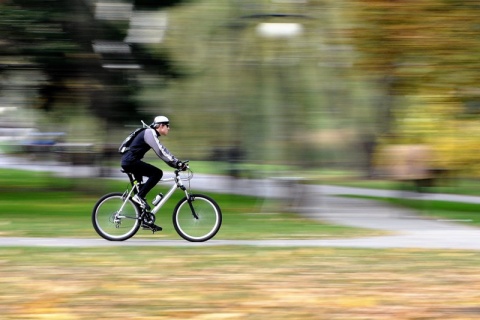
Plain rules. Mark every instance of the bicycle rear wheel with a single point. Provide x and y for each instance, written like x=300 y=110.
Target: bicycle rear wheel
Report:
x=112 y=224
x=197 y=219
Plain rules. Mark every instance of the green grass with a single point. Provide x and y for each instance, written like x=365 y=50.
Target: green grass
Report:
x=38 y=204
x=347 y=178
x=41 y=205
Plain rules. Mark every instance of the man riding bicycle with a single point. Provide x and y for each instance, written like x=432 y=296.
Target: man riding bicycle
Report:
x=132 y=160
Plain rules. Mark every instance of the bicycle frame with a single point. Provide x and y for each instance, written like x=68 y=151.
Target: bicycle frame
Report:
x=127 y=194
x=177 y=185
x=135 y=188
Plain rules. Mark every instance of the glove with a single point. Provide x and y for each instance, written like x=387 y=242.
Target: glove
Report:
x=181 y=166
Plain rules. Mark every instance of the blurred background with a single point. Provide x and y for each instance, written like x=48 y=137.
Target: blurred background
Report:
x=373 y=88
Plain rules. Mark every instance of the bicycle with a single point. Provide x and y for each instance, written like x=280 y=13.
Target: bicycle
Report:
x=196 y=217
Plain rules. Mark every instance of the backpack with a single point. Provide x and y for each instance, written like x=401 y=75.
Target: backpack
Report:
x=125 y=146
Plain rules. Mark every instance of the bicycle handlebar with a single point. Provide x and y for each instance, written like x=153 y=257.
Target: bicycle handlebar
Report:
x=186 y=167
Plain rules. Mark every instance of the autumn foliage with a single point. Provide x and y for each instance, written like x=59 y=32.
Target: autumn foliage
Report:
x=426 y=55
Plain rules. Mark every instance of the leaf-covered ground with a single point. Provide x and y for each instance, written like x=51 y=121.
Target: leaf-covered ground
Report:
x=238 y=283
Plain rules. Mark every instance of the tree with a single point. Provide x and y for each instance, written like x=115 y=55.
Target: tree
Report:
x=58 y=37
x=425 y=54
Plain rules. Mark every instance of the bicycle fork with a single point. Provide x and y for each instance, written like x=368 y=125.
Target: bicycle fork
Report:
x=190 y=200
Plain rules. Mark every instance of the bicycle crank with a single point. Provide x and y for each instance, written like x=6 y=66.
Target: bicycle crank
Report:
x=148 y=218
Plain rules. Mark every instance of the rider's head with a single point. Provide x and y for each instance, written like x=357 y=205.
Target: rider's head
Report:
x=161 y=124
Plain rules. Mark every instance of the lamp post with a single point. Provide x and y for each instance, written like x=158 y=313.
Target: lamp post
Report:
x=274 y=61
x=279 y=64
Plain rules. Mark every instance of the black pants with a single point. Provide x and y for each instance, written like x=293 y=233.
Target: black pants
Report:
x=142 y=169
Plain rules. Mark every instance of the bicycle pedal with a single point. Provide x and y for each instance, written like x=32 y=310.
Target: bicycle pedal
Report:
x=153 y=228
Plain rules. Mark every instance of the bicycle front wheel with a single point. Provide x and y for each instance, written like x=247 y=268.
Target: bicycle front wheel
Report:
x=115 y=219
x=197 y=218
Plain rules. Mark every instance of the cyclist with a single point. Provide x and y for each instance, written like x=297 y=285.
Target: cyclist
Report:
x=132 y=160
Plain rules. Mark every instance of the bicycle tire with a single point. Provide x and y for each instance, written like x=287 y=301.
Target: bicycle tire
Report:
x=103 y=217
x=198 y=229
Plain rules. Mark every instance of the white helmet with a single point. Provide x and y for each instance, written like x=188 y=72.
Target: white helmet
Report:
x=161 y=119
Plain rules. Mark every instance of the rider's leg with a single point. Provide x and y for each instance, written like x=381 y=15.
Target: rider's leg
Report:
x=154 y=175
x=143 y=169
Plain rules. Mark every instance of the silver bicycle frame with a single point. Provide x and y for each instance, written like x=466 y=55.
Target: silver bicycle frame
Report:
x=178 y=184
x=127 y=196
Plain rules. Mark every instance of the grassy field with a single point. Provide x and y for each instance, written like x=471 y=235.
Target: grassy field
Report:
x=216 y=282
x=238 y=283
x=37 y=204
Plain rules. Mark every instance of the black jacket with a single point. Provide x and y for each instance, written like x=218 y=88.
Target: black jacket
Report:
x=144 y=141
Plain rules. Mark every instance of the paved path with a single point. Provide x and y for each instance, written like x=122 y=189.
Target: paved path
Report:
x=318 y=202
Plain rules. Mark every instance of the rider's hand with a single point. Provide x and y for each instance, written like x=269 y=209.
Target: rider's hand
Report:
x=182 y=166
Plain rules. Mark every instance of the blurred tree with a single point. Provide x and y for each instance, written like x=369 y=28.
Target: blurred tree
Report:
x=61 y=37
x=425 y=55
x=409 y=44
